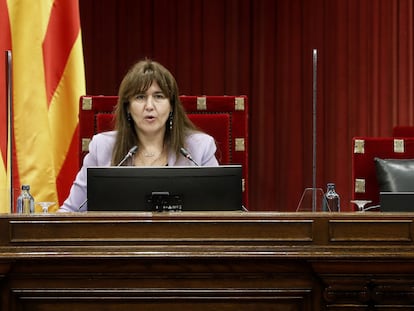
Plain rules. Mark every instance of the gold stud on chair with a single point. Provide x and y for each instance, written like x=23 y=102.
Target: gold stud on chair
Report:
x=359 y=185
x=359 y=146
x=87 y=103
x=399 y=146
x=239 y=103
x=239 y=144
x=201 y=103
x=85 y=144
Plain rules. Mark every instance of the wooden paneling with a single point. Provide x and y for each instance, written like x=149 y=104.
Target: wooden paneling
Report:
x=207 y=261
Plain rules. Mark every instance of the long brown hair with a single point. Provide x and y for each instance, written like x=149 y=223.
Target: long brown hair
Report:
x=138 y=80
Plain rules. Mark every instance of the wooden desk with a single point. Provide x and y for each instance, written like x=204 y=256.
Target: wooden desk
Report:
x=204 y=261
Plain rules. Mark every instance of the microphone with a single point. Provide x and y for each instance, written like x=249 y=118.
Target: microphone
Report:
x=187 y=155
x=130 y=153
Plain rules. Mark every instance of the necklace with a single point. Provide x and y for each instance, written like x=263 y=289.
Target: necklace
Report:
x=151 y=161
x=148 y=154
x=151 y=154
x=148 y=158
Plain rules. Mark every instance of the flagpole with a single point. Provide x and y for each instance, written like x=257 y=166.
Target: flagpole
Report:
x=9 y=123
x=314 y=126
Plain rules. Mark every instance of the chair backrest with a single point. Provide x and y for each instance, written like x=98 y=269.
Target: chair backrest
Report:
x=223 y=117
x=365 y=183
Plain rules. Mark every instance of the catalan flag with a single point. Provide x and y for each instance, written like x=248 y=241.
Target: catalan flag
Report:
x=48 y=78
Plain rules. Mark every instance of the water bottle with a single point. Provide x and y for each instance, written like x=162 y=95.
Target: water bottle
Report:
x=331 y=201
x=25 y=201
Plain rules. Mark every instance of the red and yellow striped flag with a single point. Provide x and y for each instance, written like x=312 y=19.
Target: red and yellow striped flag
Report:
x=48 y=78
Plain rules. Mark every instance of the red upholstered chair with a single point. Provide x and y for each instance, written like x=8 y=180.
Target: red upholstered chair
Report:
x=365 y=149
x=223 y=117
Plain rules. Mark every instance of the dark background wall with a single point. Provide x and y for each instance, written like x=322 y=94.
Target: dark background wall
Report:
x=263 y=49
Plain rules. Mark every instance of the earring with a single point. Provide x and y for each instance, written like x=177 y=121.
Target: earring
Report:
x=170 y=120
x=129 y=118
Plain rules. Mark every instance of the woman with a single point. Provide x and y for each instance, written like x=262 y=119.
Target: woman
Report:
x=148 y=115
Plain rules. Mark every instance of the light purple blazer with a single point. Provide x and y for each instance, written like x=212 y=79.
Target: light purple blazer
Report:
x=201 y=146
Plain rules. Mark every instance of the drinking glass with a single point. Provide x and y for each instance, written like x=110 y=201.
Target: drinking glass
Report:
x=361 y=204
x=45 y=206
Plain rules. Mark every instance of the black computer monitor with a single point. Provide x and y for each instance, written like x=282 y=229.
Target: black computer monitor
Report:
x=167 y=188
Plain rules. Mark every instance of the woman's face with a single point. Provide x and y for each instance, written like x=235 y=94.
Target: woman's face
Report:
x=150 y=110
